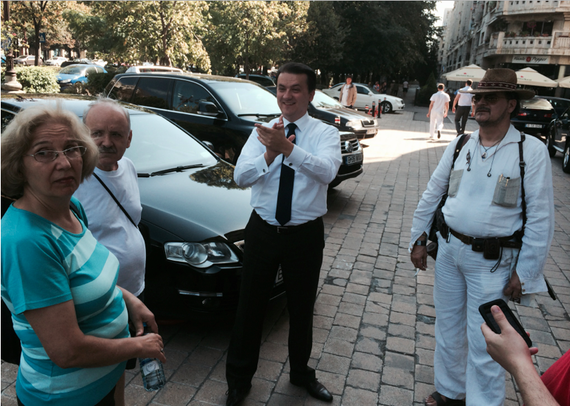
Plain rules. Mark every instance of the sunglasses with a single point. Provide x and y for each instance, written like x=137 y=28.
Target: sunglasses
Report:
x=490 y=98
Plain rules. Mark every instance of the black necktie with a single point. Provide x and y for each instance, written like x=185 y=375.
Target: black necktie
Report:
x=285 y=195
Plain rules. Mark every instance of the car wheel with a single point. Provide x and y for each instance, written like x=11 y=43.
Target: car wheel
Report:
x=386 y=107
x=549 y=142
x=566 y=158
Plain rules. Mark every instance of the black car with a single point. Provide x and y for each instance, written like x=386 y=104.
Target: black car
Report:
x=559 y=104
x=263 y=80
x=193 y=213
x=219 y=110
x=534 y=117
x=559 y=139
x=327 y=109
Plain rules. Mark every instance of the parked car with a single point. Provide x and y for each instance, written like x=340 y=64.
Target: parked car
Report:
x=365 y=96
x=559 y=104
x=72 y=74
x=193 y=213
x=151 y=68
x=559 y=138
x=56 y=61
x=330 y=110
x=263 y=80
x=76 y=61
x=28 y=60
x=219 y=110
x=534 y=117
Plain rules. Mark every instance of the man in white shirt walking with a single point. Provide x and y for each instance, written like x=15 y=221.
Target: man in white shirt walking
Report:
x=288 y=163
x=462 y=107
x=438 y=107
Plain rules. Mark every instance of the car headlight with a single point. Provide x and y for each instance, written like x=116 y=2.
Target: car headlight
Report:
x=200 y=255
x=65 y=81
x=353 y=123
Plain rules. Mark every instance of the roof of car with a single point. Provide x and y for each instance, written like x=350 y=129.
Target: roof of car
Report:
x=74 y=103
x=187 y=75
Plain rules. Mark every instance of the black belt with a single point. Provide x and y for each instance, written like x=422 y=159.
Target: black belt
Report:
x=286 y=229
x=506 y=242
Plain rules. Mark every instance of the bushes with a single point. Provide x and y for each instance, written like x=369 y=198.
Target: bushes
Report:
x=97 y=82
x=35 y=79
x=423 y=96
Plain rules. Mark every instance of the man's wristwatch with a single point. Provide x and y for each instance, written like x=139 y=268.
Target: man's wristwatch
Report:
x=421 y=242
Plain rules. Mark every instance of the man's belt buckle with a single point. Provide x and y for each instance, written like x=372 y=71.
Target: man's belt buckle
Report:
x=281 y=230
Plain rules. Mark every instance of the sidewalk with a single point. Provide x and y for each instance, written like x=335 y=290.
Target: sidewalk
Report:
x=374 y=320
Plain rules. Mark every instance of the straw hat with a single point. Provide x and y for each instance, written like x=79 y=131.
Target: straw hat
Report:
x=500 y=80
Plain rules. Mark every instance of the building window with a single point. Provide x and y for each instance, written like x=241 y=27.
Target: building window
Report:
x=538 y=28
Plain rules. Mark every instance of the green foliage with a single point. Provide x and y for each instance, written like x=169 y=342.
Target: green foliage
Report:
x=96 y=82
x=37 y=80
x=426 y=91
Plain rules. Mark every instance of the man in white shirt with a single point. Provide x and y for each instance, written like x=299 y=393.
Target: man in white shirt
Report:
x=495 y=242
x=110 y=127
x=438 y=107
x=348 y=94
x=288 y=163
x=462 y=107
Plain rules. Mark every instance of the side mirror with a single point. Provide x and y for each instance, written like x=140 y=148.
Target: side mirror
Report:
x=209 y=109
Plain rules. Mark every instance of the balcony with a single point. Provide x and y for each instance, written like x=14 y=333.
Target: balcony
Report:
x=556 y=44
x=515 y=7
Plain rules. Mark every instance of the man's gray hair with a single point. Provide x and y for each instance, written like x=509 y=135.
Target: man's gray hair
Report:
x=109 y=102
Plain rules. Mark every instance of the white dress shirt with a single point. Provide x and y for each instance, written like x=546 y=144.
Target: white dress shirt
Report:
x=315 y=159
x=472 y=211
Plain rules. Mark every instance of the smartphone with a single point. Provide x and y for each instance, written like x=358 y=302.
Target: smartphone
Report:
x=485 y=310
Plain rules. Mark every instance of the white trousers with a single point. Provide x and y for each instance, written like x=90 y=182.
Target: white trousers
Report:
x=435 y=123
x=464 y=281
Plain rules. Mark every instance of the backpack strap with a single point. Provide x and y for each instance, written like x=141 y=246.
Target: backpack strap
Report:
x=460 y=144
x=522 y=165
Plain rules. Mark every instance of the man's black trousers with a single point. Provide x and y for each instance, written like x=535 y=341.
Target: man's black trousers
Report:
x=300 y=253
x=461 y=113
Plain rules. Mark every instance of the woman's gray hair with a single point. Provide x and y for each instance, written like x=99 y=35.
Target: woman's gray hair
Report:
x=19 y=135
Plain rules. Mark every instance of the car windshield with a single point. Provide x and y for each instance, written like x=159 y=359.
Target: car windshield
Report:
x=158 y=144
x=536 y=104
x=73 y=70
x=322 y=101
x=247 y=99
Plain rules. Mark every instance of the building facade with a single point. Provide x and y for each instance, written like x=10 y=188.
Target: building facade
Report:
x=508 y=34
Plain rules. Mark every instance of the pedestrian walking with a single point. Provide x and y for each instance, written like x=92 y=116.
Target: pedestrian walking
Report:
x=438 y=108
x=462 y=107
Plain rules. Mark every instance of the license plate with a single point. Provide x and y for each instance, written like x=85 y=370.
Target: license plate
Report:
x=353 y=159
x=534 y=126
x=279 y=277
x=371 y=131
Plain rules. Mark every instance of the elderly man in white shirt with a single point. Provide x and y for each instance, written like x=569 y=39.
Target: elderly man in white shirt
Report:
x=490 y=251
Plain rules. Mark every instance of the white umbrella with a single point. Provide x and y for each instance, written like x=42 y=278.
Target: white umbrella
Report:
x=564 y=82
x=530 y=77
x=473 y=72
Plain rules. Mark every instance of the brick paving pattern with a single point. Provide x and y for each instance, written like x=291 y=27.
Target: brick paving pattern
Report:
x=374 y=321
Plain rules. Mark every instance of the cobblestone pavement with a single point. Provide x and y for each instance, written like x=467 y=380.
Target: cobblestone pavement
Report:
x=374 y=321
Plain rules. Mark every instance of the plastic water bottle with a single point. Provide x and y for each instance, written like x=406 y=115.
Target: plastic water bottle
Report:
x=152 y=372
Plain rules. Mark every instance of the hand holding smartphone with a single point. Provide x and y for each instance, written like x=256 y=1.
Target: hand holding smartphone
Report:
x=485 y=310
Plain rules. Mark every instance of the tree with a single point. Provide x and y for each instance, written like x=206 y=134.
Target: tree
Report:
x=165 y=32
x=252 y=33
x=36 y=16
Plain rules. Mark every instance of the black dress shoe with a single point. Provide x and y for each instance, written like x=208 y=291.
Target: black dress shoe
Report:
x=317 y=390
x=236 y=396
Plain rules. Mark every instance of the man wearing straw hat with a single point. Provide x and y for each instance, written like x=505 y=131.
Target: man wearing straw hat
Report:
x=492 y=245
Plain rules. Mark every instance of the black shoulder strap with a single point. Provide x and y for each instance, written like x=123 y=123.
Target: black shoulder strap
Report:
x=115 y=199
x=522 y=165
x=462 y=141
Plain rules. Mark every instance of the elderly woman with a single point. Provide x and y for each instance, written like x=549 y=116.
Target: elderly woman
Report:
x=57 y=280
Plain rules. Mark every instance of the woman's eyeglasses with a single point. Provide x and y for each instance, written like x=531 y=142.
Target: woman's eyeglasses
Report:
x=490 y=98
x=50 y=156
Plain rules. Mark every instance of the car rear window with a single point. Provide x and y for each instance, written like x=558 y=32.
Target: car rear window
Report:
x=536 y=104
x=152 y=92
x=123 y=89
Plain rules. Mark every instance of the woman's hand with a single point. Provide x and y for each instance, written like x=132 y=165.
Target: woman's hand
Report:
x=152 y=346
x=139 y=314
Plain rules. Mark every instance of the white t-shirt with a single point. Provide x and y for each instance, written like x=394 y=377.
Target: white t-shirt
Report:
x=110 y=225
x=345 y=92
x=439 y=99
x=464 y=98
